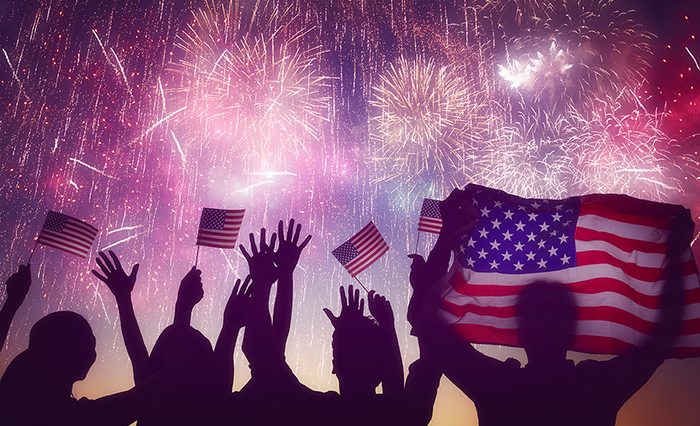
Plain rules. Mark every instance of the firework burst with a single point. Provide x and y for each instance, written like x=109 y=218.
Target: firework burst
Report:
x=573 y=52
x=263 y=94
x=427 y=118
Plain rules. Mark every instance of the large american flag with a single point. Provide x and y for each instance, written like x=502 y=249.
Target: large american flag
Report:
x=67 y=233
x=609 y=249
x=362 y=250
x=219 y=228
x=430 y=219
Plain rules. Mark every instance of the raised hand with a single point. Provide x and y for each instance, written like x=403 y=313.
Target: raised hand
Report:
x=190 y=293
x=352 y=307
x=18 y=286
x=237 y=305
x=261 y=265
x=120 y=284
x=287 y=254
x=457 y=212
x=380 y=308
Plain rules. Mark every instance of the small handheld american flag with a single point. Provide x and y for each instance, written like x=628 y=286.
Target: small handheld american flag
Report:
x=362 y=250
x=219 y=228
x=67 y=233
x=430 y=219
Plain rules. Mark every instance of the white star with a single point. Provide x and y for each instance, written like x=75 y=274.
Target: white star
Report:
x=567 y=223
x=471 y=242
x=520 y=225
x=558 y=207
x=541 y=244
x=531 y=236
x=519 y=246
x=532 y=216
x=495 y=244
x=530 y=256
x=536 y=205
x=507 y=235
x=462 y=249
x=563 y=238
x=498 y=203
x=544 y=227
x=518 y=266
x=509 y=214
x=496 y=224
x=482 y=253
x=521 y=208
x=485 y=211
x=494 y=264
x=556 y=217
x=542 y=263
x=506 y=256
x=476 y=203
x=483 y=233
x=470 y=261
x=565 y=259
x=552 y=251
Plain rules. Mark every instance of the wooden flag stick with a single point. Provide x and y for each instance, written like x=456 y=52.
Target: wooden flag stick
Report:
x=196 y=259
x=362 y=285
x=32 y=253
x=417 y=239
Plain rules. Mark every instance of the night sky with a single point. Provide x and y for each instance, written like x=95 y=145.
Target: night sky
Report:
x=133 y=115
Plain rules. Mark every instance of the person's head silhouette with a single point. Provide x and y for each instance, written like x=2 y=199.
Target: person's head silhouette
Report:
x=546 y=314
x=360 y=355
x=63 y=347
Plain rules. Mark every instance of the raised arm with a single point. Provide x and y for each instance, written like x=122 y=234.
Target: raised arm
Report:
x=286 y=258
x=189 y=294
x=121 y=285
x=234 y=319
x=17 y=287
x=257 y=342
x=380 y=308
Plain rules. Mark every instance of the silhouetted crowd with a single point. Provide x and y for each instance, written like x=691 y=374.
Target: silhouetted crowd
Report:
x=186 y=381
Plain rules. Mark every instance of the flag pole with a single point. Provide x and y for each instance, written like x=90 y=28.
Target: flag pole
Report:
x=32 y=253
x=362 y=285
x=196 y=259
x=417 y=239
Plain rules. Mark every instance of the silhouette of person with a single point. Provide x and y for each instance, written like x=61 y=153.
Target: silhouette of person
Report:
x=359 y=372
x=550 y=389
x=17 y=287
x=36 y=388
x=207 y=373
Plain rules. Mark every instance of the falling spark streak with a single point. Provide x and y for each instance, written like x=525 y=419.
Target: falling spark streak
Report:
x=73 y=184
x=159 y=122
x=691 y=55
x=121 y=68
x=657 y=183
x=121 y=241
x=253 y=186
x=93 y=168
x=104 y=52
x=125 y=228
x=14 y=74
x=179 y=148
x=102 y=302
